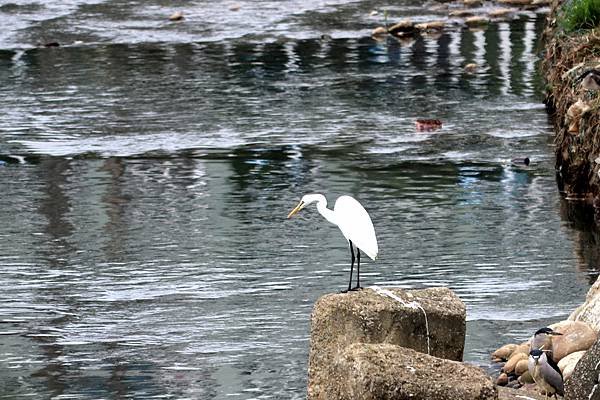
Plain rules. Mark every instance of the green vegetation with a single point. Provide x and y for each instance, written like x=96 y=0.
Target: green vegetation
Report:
x=580 y=15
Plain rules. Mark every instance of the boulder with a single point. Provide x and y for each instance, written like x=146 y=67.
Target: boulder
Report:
x=502 y=379
x=522 y=366
x=504 y=352
x=589 y=312
x=583 y=383
x=512 y=362
x=392 y=316
x=385 y=371
x=576 y=336
x=567 y=364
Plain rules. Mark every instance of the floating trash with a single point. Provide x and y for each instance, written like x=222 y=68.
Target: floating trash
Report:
x=427 y=125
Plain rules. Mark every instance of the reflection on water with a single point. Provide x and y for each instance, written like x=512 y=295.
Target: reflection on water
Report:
x=145 y=250
x=175 y=97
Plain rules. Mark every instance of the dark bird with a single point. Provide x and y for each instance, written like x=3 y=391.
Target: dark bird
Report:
x=545 y=373
x=590 y=79
x=521 y=161
x=542 y=340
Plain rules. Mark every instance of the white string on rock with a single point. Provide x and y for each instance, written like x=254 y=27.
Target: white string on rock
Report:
x=412 y=304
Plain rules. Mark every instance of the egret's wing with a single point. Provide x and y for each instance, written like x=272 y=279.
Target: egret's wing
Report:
x=355 y=224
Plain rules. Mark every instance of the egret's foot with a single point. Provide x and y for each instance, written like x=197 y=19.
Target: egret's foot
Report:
x=345 y=291
x=356 y=288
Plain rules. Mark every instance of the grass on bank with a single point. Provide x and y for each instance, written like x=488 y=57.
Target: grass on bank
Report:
x=580 y=15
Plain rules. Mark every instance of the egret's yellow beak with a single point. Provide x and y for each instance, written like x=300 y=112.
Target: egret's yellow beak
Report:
x=299 y=207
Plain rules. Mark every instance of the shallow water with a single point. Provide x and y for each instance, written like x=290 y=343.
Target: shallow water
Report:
x=148 y=170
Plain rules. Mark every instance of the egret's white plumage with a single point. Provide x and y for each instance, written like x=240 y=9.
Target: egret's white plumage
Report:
x=352 y=219
x=356 y=225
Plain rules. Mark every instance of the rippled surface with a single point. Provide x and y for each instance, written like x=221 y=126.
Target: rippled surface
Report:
x=147 y=175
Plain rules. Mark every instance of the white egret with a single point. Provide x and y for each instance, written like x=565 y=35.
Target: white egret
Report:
x=354 y=222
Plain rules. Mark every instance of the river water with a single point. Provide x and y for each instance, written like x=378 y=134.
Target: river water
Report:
x=147 y=168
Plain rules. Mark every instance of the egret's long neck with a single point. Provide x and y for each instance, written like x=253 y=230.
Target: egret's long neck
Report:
x=328 y=214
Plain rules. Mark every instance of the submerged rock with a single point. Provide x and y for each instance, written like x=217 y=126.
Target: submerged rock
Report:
x=471 y=68
x=429 y=320
x=504 y=352
x=461 y=13
x=379 y=31
x=431 y=26
x=403 y=28
x=176 y=16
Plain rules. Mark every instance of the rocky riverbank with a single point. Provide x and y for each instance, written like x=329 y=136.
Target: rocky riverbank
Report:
x=394 y=344
x=575 y=109
x=576 y=350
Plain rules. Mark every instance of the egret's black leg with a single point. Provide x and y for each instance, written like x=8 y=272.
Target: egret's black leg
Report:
x=351 y=265
x=357 y=269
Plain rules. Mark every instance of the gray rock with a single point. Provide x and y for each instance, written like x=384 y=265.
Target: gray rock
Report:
x=505 y=393
x=583 y=382
x=340 y=320
x=385 y=371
